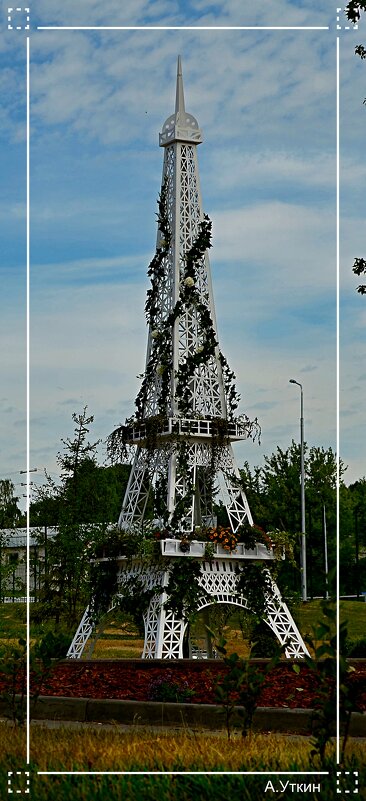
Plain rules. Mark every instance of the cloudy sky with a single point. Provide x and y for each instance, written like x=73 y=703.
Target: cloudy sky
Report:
x=266 y=102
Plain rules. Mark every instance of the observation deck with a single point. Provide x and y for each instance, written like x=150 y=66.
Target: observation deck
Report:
x=187 y=428
x=197 y=548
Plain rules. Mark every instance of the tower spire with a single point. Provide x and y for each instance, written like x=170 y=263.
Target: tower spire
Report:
x=180 y=108
x=180 y=126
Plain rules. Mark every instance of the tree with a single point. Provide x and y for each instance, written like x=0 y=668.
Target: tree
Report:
x=68 y=552
x=101 y=490
x=274 y=496
x=353 y=12
x=10 y=514
x=10 y=517
x=81 y=508
x=359 y=268
x=353 y=538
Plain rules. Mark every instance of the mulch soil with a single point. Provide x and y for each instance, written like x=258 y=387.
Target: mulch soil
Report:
x=137 y=680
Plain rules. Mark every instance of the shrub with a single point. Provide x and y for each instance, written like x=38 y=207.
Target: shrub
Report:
x=164 y=688
x=263 y=641
x=53 y=646
x=240 y=686
x=20 y=612
x=356 y=648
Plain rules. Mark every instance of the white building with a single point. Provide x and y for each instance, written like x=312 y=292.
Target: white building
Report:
x=13 y=561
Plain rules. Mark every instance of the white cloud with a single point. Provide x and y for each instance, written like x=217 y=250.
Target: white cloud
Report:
x=266 y=103
x=104 y=90
x=112 y=12
x=240 y=170
x=88 y=270
x=272 y=12
x=288 y=247
x=91 y=342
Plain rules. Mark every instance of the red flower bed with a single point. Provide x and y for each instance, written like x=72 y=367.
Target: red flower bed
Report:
x=132 y=680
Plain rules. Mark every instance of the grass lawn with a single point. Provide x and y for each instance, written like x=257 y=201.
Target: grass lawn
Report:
x=167 y=766
x=125 y=643
x=355 y=613
x=183 y=786
x=12 y=621
x=120 y=638
x=184 y=765
x=133 y=749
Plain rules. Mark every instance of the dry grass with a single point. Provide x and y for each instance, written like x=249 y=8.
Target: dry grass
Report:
x=110 y=649
x=121 y=640
x=117 y=640
x=132 y=749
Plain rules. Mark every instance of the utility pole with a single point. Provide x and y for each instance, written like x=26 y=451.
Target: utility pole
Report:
x=302 y=481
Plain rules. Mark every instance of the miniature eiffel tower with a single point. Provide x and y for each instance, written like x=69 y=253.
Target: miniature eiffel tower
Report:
x=185 y=423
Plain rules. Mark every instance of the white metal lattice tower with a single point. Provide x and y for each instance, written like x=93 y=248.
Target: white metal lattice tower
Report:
x=206 y=398
x=186 y=406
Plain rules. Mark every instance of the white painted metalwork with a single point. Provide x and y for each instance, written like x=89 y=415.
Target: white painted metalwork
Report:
x=197 y=548
x=187 y=428
x=85 y=629
x=219 y=580
x=164 y=631
x=179 y=139
x=205 y=469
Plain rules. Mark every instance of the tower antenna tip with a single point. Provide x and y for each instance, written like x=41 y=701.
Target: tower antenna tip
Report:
x=179 y=101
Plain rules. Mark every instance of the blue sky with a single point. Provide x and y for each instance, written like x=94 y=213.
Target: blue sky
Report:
x=266 y=102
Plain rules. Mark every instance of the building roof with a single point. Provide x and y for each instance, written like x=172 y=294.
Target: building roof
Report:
x=17 y=537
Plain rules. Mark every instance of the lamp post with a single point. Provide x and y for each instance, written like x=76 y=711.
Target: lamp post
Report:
x=302 y=475
x=325 y=552
x=356 y=511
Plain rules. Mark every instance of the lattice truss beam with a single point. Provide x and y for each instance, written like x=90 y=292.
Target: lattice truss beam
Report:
x=184 y=212
x=204 y=483
x=164 y=630
x=206 y=387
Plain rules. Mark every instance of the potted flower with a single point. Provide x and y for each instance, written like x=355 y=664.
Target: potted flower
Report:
x=184 y=544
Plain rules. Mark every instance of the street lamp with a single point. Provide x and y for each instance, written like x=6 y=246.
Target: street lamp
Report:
x=302 y=473
x=356 y=511
x=325 y=552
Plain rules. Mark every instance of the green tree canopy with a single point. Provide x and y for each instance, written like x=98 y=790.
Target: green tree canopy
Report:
x=87 y=492
x=274 y=495
x=353 y=538
x=86 y=500
x=10 y=514
x=353 y=12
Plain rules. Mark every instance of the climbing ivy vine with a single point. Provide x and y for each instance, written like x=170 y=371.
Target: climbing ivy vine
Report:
x=161 y=331
x=158 y=372
x=160 y=361
x=183 y=589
